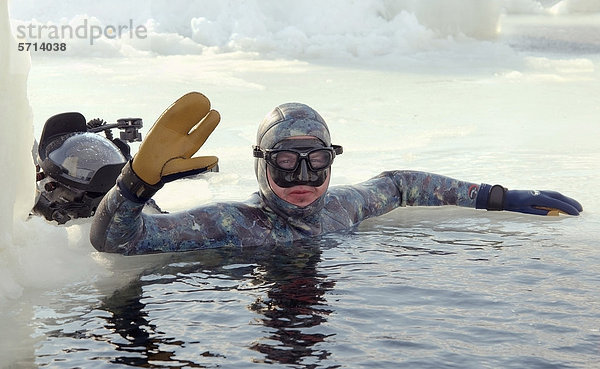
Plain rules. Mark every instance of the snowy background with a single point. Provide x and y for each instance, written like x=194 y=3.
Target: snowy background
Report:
x=499 y=91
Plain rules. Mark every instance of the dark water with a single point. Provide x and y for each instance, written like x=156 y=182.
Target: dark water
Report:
x=448 y=289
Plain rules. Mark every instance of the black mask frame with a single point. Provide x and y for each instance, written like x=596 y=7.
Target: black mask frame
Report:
x=302 y=172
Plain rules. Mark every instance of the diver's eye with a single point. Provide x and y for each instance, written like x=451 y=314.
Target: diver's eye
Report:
x=320 y=159
x=286 y=159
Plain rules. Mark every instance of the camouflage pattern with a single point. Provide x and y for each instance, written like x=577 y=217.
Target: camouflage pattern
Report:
x=291 y=119
x=122 y=227
x=288 y=120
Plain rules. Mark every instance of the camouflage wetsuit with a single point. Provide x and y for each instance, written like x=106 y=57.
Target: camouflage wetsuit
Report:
x=121 y=227
x=128 y=231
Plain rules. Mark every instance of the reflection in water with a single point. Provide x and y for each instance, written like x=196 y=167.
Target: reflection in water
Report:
x=294 y=302
x=291 y=305
x=141 y=345
x=430 y=293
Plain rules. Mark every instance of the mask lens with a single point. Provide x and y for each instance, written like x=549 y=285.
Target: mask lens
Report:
x=285 y=160
x=288 y=160
x=320 y=159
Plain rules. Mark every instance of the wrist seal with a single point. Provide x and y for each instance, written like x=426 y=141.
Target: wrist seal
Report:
x=133 y=187
x=495 y=201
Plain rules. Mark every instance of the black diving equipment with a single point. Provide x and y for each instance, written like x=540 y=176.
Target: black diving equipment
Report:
x=295 y=162
x=76 y=166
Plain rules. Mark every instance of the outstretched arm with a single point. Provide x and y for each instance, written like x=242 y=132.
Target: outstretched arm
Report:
x=426 y=189
x=392 y=189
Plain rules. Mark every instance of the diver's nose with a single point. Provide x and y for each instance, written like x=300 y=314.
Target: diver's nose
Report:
x=302 y=172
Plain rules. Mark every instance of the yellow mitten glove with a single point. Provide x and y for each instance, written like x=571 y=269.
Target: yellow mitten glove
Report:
x=169 y=145
x=179 y=132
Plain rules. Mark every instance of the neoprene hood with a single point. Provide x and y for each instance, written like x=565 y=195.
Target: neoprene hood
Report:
x=288 y=120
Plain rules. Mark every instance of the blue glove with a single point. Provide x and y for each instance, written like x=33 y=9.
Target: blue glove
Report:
x=525 y=201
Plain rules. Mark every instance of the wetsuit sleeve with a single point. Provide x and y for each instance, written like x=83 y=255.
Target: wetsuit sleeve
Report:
x=394 y=189
x=428 y=189
x=121 y=226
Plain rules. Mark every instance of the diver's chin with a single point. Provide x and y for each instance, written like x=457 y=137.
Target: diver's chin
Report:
x=300 y=196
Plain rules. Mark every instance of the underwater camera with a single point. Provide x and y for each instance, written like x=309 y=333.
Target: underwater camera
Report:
x=76 y=165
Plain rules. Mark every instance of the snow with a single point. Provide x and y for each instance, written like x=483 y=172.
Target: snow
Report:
x=476 y=90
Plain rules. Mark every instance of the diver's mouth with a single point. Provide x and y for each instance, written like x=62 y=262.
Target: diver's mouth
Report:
x=300 y=192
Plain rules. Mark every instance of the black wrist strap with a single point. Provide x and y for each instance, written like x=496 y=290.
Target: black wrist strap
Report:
x=496 y=198
x=134 y=188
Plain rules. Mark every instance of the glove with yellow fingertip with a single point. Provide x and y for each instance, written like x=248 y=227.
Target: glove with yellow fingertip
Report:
x=166 y=152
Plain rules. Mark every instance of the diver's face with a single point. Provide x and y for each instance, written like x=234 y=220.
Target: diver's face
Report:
x=299 y=195
x=306 y=191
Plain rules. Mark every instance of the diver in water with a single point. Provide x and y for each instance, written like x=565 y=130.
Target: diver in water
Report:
x=293 y=158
